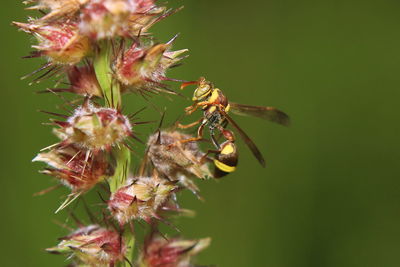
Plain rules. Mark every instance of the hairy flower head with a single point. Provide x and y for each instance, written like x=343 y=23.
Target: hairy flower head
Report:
x=176 y=252
x=93 y=246
x=101 y=19
x=177 y=161
x=83 y=81
x=57 y=8
x=60 y=42
x=141 y=198
x=144 y=68
x=94 y=128
x=71 y=166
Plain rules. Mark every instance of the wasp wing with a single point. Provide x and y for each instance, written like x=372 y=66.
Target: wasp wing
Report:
x=256 y=152
x=266 y=113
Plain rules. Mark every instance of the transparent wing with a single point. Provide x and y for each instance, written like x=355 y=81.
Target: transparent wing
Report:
x=266 y=113
x=256 y=152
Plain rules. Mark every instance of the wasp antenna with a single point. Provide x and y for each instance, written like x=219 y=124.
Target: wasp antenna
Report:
x=185 y=84
x=173 y=80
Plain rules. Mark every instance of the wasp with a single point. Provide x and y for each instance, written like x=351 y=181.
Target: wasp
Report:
x=215 y=106
x=226 y=157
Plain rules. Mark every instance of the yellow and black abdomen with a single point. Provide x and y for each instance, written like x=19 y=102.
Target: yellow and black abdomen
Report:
x=226 y=160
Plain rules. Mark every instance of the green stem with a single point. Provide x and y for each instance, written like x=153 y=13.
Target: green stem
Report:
x=102 y=66
x=112 y=96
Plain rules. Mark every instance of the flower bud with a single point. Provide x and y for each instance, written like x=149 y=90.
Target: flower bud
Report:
x=109 y=18
x=141 y=198
x=70 y=165
x=92 y=245
x=60 y=41
x=94 y=128
x=177 y=161
x=144 y=68
x=159 y=252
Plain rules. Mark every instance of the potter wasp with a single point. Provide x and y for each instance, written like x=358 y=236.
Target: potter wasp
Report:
x=215 y=108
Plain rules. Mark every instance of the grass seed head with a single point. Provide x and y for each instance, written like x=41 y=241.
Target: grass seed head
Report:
x=60 y=42
x=70 y=165
x=92 y=245
x=174 y=252
x=100 y=19
x=83 y=81
x=95 y=128
x=143 y=68
x=57 y=8
x=141 y=198
x=177 y=161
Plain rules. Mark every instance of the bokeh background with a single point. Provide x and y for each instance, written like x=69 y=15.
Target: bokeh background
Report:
x=330 y=195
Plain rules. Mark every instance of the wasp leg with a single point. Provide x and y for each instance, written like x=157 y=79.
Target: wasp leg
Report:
x=182 y=126
x=189 y=110
x=205 y=157
x=199 y=134
x=214 y=140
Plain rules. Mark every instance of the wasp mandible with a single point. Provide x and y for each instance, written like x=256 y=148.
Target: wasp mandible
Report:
x=215 y=106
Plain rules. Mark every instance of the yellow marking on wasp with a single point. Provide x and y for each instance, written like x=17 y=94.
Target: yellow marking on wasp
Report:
x=212 y=109
x=214 y=95
x=227 y=108
x=223 y=167
x=228 y=149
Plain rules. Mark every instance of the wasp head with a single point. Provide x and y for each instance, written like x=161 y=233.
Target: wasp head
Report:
x=203 y=90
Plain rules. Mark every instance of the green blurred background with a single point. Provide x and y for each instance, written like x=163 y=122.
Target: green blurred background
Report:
x=330 y=195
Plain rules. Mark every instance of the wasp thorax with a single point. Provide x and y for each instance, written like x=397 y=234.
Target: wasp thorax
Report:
x=109 y=18
x=95 y=128
x=141 y=198
x=60 y=42
x=83 y=81
x=92 y=246
x=174 y=252
x=144 y=68
x=177 y=161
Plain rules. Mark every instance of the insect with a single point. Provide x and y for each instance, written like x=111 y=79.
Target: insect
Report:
x=215 y=106
x=226 y=156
